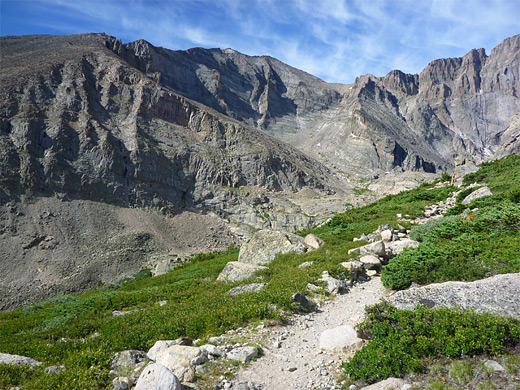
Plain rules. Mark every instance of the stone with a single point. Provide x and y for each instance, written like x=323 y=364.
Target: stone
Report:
x=54 y=370
x=126 y=361
x=236 y=271
x=158 y=347
x=386 y=235
x=306 y=304
x=253 y=287
x=333 y=285
x=244 y=386
x=313 y=242
x=243 y=354
x=342 y=338
x=306 y=264
x=387 y=384
x=121 y=383
x=397 y=247
x=179 y=358
x=356 y=269
x=262 y=248
x=497 y=295
x=17 y=360
x=157 y=377
x=370 y=262
x=312 y=287
x=479 y=193
x=494 y=366
x=213 y=350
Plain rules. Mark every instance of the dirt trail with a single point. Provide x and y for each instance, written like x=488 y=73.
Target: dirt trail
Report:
x=299 y=363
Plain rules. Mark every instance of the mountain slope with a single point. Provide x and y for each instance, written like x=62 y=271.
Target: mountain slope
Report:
x=81 y=125
x=455 y=109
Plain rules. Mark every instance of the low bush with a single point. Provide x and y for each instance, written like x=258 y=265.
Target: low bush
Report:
x=458 y=248
x=402 y=339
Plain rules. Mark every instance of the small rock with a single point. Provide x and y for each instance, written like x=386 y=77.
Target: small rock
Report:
x=387 y=384
x=493 y=365
x=313 y=242
x=305 y=303
x=54 y=370
x=121 y=383
x=248 y=288
x=370 y=262
x=292 y=369
x=342 y=338
x=213 y=350
x=306 y=264
x=243 y=354
x=386 y=235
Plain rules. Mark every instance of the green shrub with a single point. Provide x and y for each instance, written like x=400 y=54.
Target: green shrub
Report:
x=401 y=339
x=456 y=248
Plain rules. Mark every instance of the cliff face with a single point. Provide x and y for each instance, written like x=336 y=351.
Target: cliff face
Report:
x=455 y=109
x=89 y=142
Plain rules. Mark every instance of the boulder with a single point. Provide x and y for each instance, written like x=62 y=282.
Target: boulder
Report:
x=386 y=235
x=387 y=384
x=213 y=350
x=305 y=303
x=253 y=287
x=127 y=361
x=17 y=360
x=356 y=269
x=243 y=354
x=313 y=242
x=158 y=347
x=333 y=285
x=397 y=247
x=483 y=191
x=235 y=271
x=342 y=338
x=179 y=358
x=157 y=377
x=370 y=262
x=497 y=295
x=266 y=244
x=376 y=248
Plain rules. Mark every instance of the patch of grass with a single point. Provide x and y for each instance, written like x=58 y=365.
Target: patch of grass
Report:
x=361 y=191
x=403 y=339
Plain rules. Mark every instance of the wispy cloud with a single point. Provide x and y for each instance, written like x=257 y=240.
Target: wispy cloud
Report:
x=336 y=40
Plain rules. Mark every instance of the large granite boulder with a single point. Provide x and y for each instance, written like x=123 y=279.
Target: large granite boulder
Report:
x=17 y=360
x=235 y=271
x=157 y=377
x=180 y=358
x=266 y=244
x=498 y=295
x=481 y=192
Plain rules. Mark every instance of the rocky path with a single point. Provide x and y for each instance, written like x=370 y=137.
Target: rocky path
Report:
x=294 y=359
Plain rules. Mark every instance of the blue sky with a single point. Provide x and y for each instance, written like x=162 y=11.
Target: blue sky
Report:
x=336 y=40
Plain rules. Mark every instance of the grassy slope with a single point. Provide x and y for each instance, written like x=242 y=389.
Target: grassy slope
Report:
x=59 y=331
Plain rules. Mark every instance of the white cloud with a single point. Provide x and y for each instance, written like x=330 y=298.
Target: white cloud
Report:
x=334 y=39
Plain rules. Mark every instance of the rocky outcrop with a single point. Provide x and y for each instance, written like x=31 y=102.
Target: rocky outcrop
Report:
x=478 y=193
x=263 y=247
x=18 y=360
x=497 y=295
x=236 y=271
